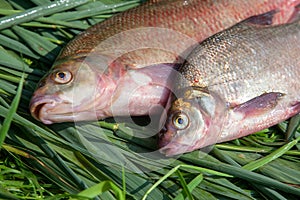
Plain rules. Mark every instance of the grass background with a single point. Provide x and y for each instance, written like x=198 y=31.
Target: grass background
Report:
x=53 y=162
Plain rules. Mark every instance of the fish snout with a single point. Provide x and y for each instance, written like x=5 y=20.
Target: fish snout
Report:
x=162 y=141
x=170 y=148
x=39 y=107
x=165 y=137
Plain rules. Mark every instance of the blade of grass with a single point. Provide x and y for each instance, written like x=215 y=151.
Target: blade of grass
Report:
x=10 y=78
x=39 y=11
x=17 y=46
x=26 y=123
x=8 y=87
x=40 y=2
x=38 y=43
x=282 y=170
x=4 y=4
x=292 y=127
x=225 y=189
x=191 y=186
x=244 y=174
x=135 y=184
x=100 y=188
x=12 y=110
x=7 y=195
x=160 y=181
x=28 y=77
x=186 y=191
x=269 y=193
x=173 y=170
x=96 y=8
x=56 y=159
x=253 y=149
x=9 y=11
x=50 y=22
x=3 y=102
x=224 y=157
x=272 y=156
x=90 y=167
x=262 y=189
x=10 y=61
x=123 y=182
x=42 y=166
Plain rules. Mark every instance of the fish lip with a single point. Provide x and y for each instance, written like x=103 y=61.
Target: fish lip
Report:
x=41 y=105
x=169 y=147
x=174 y=148
x=52 y=109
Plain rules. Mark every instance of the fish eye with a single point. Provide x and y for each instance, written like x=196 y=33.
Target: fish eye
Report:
x=180 y=120
x=62 y=76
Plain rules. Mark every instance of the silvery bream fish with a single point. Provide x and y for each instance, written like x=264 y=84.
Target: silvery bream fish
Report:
x=235 y=83
x=120 y=67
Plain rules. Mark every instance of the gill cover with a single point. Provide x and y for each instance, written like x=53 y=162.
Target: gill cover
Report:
x=188 y=125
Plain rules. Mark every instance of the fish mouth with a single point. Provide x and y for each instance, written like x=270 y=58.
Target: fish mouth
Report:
x=175 y=148
x=45 y=109
x=50 y=109
x=169 y=146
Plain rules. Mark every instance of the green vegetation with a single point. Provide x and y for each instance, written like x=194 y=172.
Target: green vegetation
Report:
x=68 y=161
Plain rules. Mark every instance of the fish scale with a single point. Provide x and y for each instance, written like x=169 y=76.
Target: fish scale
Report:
x=245 y=78
x=248 y=81
x=185 y=16
x=145 y=41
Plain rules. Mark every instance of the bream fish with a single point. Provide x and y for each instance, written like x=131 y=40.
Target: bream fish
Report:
x=121 y=66
x=235 y=83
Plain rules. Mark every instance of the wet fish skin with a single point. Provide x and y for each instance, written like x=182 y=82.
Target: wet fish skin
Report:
x=93 y=52
x=185 y=16
x=237 y=82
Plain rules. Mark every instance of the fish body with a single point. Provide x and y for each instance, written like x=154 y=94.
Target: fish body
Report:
x=121 y=66
x=237 y=82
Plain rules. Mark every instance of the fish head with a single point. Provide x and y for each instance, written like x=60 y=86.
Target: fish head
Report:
x=67 y=92
x=188 y=123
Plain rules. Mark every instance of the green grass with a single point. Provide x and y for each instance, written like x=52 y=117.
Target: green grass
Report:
x=64 y=161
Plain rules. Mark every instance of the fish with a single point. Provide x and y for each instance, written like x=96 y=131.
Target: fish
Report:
x=122 y=66
x=237 y=82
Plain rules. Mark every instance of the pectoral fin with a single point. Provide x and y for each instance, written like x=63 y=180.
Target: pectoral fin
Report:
x=279 y=16
x=263 y=19
x=259 y=105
